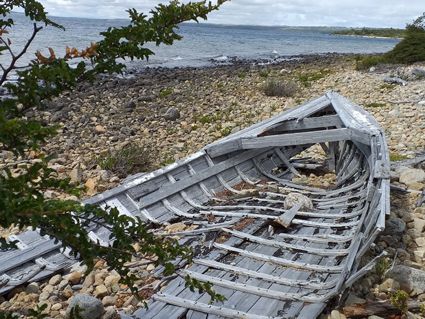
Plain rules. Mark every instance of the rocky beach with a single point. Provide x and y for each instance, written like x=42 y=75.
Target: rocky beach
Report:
x=162 y=115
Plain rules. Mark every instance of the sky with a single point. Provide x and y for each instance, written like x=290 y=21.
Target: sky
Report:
x=347 y=13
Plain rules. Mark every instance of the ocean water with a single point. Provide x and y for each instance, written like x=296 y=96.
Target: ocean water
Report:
x=203 y=44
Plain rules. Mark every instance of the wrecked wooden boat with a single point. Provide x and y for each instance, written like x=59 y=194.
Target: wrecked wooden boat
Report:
x=273 y=246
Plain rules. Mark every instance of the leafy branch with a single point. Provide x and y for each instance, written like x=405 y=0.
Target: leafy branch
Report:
x=22 y=193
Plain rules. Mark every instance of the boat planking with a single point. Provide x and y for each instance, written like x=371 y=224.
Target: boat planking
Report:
x=272 y=247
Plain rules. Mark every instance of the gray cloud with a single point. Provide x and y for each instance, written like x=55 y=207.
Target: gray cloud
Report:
x=375 y=13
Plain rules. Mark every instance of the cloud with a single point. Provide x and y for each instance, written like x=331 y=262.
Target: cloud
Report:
x=374 y=13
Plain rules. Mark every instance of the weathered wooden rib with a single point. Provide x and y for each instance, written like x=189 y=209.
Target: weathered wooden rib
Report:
x=281 y=262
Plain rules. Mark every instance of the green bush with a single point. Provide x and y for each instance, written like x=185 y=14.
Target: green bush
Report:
x=131 y=159
x=275 y=87
x=409 y=50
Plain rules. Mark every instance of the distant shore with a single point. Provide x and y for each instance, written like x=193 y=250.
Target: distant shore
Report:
x=374 y=33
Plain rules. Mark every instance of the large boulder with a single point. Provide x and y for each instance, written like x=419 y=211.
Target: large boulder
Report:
x=410 y=176
x=410 y=279
x=89 y=307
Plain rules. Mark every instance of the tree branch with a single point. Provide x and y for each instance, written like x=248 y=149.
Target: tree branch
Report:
x=7 y=47
x=15 y=58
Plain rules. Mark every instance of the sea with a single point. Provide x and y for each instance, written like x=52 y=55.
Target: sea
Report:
x=202 y=45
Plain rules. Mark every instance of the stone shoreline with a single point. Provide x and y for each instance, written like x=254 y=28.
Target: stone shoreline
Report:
x=171 y=113
x=174 y=112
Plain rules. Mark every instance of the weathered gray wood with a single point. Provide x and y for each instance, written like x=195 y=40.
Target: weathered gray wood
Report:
x=280 y=261
x=220 y=311
x=169 y=190
x=308 y=124
x=247 y=143
x=256 y=290
x=26 y=255
x=286 y=218
x=280 y=244
x=265 y=276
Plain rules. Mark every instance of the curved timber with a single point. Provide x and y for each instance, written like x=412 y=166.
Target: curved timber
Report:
x=268 y=257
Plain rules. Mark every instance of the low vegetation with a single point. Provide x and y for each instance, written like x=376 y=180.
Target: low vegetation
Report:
x=306 y=79
x=387 y=86
x=129 y=160
x=368 y=61
x=373 y=32
x=276 y=87
x=410 y=50
x=165 y=92
x=264 y=73
x=399 y=300
x=395 y=157
x=382 y=266
x=375 y=105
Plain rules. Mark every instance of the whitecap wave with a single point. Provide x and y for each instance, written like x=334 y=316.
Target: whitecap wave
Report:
x=221 y=58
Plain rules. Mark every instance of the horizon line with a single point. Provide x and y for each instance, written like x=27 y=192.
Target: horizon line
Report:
x=230 y=24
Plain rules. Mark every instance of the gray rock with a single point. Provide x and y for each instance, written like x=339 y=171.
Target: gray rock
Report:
x=172 y=114
x=130 y=106
x=409 y=278
x=420 y=73
x=147 y=98
x=76 y=174
x=90 y=307
x=394 y=226
x=394 y=80
x=77 y=287
x=411 y=175
x=123 y=315
x=33 y=288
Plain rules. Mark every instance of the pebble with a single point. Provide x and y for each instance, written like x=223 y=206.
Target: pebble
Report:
x=100 y=291
x=112 y=279
x=109 y=300
x=111 y=313
x=74 y=277
x=56 y=306
x=100 y=129
x=335 y=314
x=91 y=186
x=389 y=285
x=55 y=280
x=76 y=175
